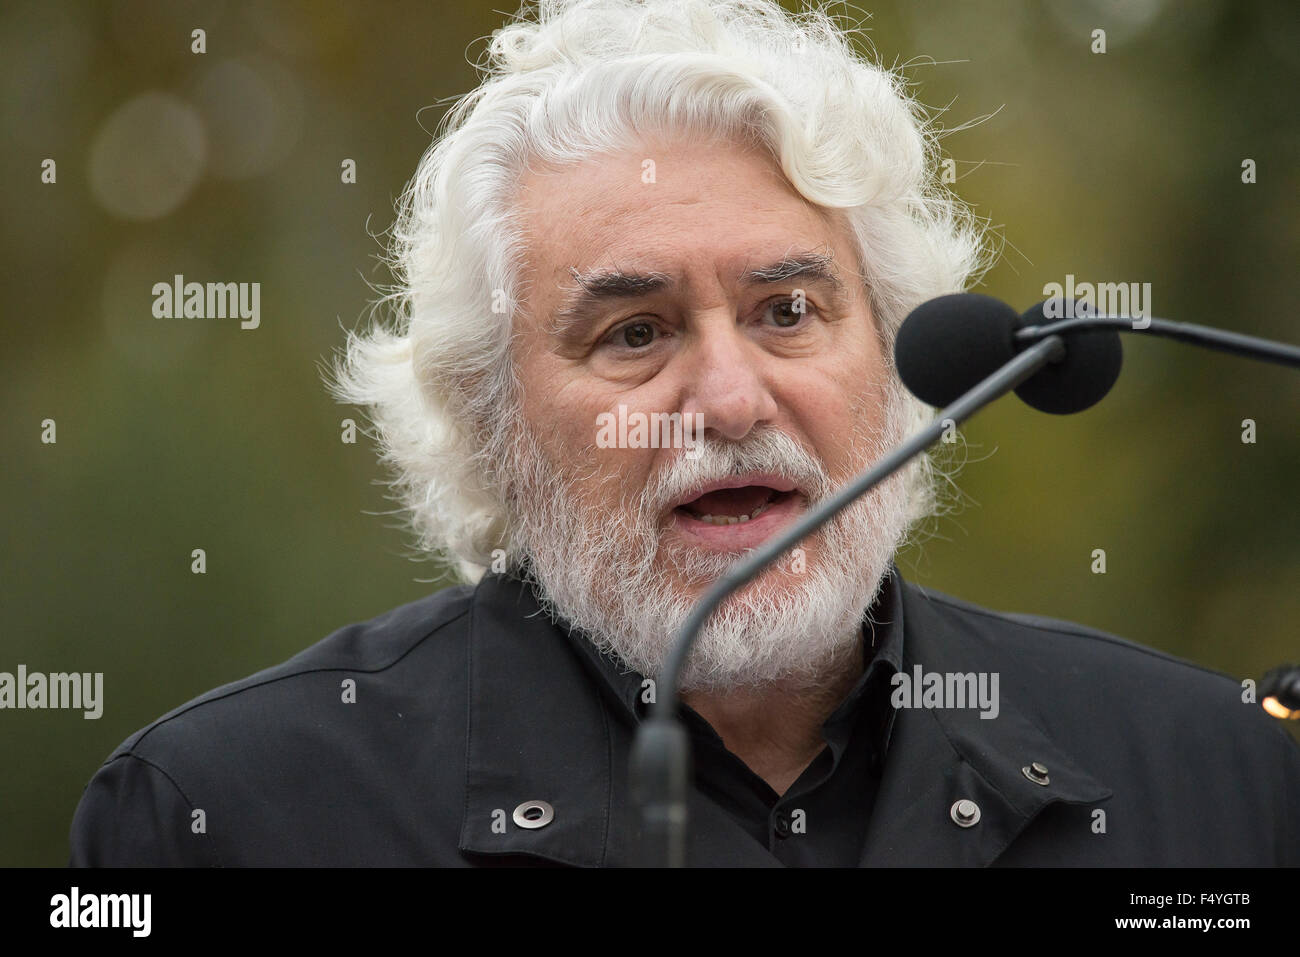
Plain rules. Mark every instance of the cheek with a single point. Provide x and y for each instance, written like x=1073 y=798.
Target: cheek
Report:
x=570 y=430
x=852 y=374
x=553 y=403
x=847 y=398
x=563 y=435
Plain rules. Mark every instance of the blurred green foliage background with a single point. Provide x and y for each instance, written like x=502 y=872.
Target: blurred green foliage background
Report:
x=225 y=166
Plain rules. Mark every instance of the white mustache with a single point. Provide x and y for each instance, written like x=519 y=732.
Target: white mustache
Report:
x=766 y=451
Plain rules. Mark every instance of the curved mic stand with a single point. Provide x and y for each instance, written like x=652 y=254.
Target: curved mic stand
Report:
x=1218 y=339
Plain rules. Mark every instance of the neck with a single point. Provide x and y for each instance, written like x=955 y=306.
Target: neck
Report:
x=776 y=729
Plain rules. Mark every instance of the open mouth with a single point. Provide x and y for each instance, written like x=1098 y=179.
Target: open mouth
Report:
x=739 y=512
x=734 y=506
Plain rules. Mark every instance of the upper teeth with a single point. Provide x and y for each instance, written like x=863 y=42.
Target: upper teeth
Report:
x=733 y=519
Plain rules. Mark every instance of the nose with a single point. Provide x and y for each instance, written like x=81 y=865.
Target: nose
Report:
x=727 y=381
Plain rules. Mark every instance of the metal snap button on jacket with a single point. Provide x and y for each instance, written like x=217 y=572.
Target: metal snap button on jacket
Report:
x=534 y=814
x=965 y=813
x=1037 y=773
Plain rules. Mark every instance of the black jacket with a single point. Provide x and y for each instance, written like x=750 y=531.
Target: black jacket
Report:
x=470 y=702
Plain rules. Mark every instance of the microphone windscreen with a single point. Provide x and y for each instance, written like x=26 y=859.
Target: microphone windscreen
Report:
x=946 y=346
x=1093 y=358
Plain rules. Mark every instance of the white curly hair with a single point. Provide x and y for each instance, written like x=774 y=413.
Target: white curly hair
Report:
x=568 y=79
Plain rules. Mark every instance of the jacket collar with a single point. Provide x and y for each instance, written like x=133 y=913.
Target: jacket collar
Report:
x=938 y=757
x=539 y=729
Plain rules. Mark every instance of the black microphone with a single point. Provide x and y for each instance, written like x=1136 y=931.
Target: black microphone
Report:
x=949 y=344
x=988 y=366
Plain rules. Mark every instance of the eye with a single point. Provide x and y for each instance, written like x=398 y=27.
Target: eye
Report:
x=635 y=335
x=787 y=312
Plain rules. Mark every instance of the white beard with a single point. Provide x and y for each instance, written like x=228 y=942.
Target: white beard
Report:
x=607 y=573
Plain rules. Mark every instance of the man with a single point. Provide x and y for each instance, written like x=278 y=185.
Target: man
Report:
x=651 y=277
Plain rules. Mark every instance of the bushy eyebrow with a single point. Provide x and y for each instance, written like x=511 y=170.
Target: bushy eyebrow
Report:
x=815 y=266
x=593 y=289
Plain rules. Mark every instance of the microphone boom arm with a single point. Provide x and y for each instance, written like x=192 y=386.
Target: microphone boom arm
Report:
x=1251 y=347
